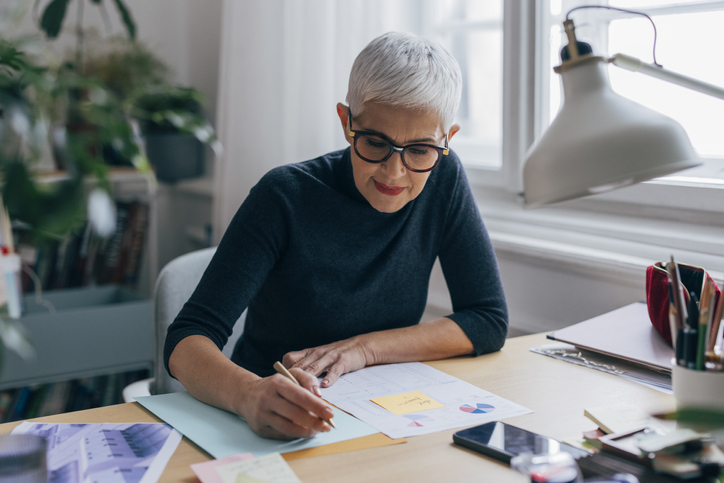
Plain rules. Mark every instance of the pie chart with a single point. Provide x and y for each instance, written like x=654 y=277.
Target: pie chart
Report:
x=477 y=408
x=416 y=418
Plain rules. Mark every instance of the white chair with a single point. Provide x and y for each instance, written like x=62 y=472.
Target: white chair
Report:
x=174 y=286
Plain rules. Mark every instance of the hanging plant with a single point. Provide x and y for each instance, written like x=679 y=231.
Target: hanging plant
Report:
x=53 y=16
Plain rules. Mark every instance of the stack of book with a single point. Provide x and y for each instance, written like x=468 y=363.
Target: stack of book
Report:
x=65 y=396
x=84 y=258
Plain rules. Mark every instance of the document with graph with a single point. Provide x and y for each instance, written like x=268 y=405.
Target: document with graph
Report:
x=409 y=399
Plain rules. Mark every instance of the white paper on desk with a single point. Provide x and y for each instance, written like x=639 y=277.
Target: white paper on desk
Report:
x=107 y=452
x=206 y=471
x=269 y=468
x=465 y=404
x=221 y=433
x=625 y=333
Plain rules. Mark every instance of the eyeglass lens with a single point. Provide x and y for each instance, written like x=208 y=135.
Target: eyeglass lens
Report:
x=415 y=156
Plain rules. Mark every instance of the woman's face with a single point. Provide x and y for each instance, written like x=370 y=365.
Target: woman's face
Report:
x=389 y=186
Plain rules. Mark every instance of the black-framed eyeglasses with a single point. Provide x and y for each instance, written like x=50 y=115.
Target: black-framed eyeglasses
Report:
x=375 y=148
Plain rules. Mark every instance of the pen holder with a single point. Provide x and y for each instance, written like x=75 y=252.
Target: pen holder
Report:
x=698 y=389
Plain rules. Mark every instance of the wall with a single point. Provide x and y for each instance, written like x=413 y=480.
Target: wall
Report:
x=545 y=296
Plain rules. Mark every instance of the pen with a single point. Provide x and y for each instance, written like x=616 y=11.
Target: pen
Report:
x=716 y=321
x=284 y=372
x=707 y=307
x=676 y=329
x=698 y=319
x=680 y=346
x=675 y=282
x=691 y=343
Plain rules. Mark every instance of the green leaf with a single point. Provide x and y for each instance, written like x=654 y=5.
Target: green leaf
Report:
x=52 y=19
x=16 y=338
x=709 y=417
x=127 y=19
x=10 y=56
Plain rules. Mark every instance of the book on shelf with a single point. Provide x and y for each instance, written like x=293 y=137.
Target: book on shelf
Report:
x=84 y=258
x=6 y=400
x=65 y=396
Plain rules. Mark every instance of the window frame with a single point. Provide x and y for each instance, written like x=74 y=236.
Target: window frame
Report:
x=633 y=218
x=525 y=113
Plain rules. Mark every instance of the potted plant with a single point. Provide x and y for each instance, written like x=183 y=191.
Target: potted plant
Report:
x=174 y=129
x=170 y=116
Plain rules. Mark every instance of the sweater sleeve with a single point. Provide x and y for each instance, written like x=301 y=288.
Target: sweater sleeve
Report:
x=247 y=252
x=468 y=262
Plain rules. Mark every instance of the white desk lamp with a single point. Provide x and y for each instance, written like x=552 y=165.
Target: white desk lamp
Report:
x=600 y=140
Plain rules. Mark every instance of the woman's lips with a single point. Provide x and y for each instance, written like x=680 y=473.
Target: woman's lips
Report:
x=388 y=190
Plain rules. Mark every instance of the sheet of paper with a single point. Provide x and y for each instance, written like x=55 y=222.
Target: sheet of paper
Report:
x=464 y=404
x=269 y=468
x=105 y=451
x=624 y=418
x=206 y=471
x=221 y=433
x=248 y=479
x=407 y=403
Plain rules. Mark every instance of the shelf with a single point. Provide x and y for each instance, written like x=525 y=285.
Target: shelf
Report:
x=93 y=331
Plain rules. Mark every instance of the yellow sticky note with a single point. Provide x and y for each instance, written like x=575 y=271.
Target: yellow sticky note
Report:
x=410 y=402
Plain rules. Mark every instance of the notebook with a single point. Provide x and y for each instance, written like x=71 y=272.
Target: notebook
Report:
x=624 y=333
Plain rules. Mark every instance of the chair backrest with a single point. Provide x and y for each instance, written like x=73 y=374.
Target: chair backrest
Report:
x=175 y=284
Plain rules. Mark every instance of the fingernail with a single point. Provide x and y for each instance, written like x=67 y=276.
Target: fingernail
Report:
x=325 y=382
x=316 y=391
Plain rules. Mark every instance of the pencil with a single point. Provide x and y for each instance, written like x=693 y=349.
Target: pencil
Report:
x=284 y=372
x=703 y=326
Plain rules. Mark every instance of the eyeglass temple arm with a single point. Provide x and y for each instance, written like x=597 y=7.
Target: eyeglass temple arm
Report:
x=349 y=123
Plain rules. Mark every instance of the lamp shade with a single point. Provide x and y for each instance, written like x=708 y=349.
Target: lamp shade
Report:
x=600 y=141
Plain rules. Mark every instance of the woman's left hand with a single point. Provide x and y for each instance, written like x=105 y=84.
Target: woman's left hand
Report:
x=335 y=359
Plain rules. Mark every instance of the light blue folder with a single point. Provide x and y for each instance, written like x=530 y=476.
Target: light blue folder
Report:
x=221 y=433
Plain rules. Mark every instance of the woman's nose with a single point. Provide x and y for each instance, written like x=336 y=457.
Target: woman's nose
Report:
x=394 y=166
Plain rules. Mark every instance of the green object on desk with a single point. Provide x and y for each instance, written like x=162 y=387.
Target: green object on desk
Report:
x=709 y=417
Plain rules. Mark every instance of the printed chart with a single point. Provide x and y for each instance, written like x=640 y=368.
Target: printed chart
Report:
x=418 y=420
x=378 y=395
x=478 y=408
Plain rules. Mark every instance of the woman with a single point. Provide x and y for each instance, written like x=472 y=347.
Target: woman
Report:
x=333 y=256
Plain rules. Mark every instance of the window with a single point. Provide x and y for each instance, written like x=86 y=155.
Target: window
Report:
x=472 y=31
x=495 y=136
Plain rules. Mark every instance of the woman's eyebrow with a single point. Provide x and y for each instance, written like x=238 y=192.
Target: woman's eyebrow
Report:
x=414 y=141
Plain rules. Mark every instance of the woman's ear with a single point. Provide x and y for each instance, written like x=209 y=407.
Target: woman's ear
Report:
x=453 y=129
x=342 y=112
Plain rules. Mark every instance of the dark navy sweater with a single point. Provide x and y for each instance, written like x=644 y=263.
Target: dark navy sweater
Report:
x=315 y=263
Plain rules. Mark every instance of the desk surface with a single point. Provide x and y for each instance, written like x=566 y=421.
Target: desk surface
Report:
x=556 y=391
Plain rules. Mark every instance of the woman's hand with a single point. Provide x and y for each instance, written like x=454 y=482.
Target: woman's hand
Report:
x=277 y=408
x=335 y=359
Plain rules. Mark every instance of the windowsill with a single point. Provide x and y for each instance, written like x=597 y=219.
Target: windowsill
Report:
x=611 y=237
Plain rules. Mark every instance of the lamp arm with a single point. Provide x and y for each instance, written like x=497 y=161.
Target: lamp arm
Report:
x=635 y=65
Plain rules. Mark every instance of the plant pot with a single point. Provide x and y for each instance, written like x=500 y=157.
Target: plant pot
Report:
x=175 y=156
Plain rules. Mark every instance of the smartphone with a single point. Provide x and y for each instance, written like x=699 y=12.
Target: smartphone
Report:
x=503 y=441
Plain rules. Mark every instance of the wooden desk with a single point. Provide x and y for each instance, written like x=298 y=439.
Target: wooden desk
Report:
x=556 y=391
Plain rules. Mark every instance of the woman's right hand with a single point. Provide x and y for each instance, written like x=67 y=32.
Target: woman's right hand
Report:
x=275 y=407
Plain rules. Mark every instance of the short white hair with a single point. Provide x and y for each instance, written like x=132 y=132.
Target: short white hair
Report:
x=403 y=70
